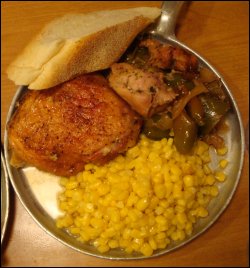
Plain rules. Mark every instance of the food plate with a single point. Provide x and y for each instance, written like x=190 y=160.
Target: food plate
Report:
x=38 y=190
x=4 y=197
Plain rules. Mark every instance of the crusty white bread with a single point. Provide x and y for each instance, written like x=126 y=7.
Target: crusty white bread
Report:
x=78 y=43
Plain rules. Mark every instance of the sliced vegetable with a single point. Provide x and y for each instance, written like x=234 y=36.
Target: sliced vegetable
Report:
x=158 y=126
x=215 y=88
x=179 y=79
x=214 y=110
x=162 y=121
x=195 y=110
x=185 y=133
x=181 y=103
x=174 y=79
x=200 y=101
x=206 y=75
x=155 y=133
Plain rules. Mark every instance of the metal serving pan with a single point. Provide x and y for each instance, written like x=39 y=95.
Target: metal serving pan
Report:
x=38 y=190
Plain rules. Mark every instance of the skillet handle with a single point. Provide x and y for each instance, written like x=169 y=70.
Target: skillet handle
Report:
x=167 y=21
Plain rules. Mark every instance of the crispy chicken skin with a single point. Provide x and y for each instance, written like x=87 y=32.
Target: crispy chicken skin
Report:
x=81 y=121
x=145 y=91
x=165 y=56
x=161 y=56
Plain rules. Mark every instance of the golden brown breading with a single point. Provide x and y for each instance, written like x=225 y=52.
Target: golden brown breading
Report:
x=61 y=129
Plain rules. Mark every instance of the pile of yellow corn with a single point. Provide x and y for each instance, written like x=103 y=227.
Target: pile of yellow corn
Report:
x=140 y=201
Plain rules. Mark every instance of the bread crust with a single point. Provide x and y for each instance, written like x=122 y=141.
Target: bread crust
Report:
x=51 y=59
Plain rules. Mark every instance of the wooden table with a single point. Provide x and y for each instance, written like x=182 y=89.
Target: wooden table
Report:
x=218 y=31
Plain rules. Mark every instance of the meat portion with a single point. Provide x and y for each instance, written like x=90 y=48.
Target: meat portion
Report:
x=161 y=56
x=167 y=57
x=145 y=91
x=82 y=121
x=183 y=61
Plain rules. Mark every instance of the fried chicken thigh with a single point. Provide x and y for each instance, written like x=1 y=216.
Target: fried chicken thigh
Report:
x=81 y=121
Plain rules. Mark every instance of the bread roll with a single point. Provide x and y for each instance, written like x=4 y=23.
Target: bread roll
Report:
x=78 y=43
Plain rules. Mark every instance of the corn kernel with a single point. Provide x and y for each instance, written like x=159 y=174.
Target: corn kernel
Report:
x=132 y=199
x=113 y=243
x=63 y=206
x=174 y=236
x=103 y=248
x=159 y=190
x=164 y=203
x=138 y=241
x=103 y=189
x=132 y=215
x=68 y=193
x=144 y=143
x=124 y=212
x=189 y=228
x=154 y=202
x=153 y=156
x=176 y=170
x=168 y=154
x=115 y=215
x=146 y=249
x=85 y=237
x=188 y=180
x=181 y=234
x=158 y=179
x=214 y=191
x=78 y=195
x=161 y=220
x=210 y=179
x=207 y=169
x=96 y=223
x=159 y=210
x=201 y=148
x=141 y=200
x=181 y=218
x=110 y=232
x=89 y=207
x=177 y=192
x=220 y=176
x=157 y=145
x=163 y=243
x=129 y=249
x=222 y=151
x=160 y=236
x=89 y=167
x=152 y=243
x=223 y=163
x=133 y=245
x=202 y=212
x=142 y=204
x=181 y=202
